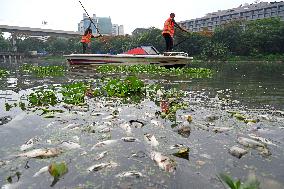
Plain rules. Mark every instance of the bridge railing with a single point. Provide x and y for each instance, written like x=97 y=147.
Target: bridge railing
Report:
x=11 y=57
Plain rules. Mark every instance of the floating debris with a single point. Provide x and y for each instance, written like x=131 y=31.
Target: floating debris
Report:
x=30 y=143
x=41 y=153
x=41 y=171
x=57 y=169
x=127 y=128
x=182 y=153
x=5 y=119
x=69 y=145
x=221 y=129
x=136 y=123
x=101 y=155
x=129 y=139
x=132 y=174
x=151 y=139
x=237 y=151
x=100 y=166
x=104 y=143
x=163 y=162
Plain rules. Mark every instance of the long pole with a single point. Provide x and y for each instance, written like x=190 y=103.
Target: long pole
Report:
x=90 y=18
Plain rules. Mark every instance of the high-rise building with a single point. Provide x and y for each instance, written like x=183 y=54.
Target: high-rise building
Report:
x=243 y=12
x=117 y=29
x=103 y=24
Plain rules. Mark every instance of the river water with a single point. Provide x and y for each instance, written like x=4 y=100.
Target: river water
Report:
x=256 y=95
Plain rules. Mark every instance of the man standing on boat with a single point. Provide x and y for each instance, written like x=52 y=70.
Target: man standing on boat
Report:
x=168 y=31
x=86 y=39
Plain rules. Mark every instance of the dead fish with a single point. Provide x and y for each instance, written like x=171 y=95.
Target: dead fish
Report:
x=71 y=126
x=135 y=174
x=264 y=151
x=42 y=170
x=100 y=166
x=69 y=145
x=101 y=155
x=30 y=143
x=108 y=117
x=127 y=128
x=151 y=139
x=129 y=139
x=221 y=129
x=163 y=162
x=104 y=143
x=105 y=130
x=157 y=123
x=41 y=153
x=250 y=142
x=237 y=151
x=261 y=139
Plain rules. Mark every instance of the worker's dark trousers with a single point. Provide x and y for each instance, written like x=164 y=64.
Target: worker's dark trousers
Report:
x=169 y=42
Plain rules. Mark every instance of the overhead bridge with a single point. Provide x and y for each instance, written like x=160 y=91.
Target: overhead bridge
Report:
x=38 y=31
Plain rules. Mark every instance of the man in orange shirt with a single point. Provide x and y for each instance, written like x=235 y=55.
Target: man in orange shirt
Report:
x=168 y=31
x=86 y=39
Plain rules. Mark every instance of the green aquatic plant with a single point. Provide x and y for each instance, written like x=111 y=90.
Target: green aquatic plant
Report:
x=251 y=183
x=122 y=88
x=44 y=71
x=43 y=97
x=154 y=69
x=74 y=93
x=3 y=72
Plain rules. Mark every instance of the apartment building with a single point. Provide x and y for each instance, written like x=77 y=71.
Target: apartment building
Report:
x=103 y=24
x=243 y=12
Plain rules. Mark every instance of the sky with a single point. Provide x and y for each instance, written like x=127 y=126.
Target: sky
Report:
x=132 y=14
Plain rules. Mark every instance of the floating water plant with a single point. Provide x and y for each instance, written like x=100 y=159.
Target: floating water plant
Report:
x=74 y=93
x=154 y=69
x=3 y=72
x=42 y=97
x=44 y=71
x=251 y=183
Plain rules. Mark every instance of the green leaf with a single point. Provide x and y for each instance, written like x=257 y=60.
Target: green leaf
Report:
x=57 y=169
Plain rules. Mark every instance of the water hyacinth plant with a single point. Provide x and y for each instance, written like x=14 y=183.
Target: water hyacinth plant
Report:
x=154 y=69
x=44 y=71
x=3 y=72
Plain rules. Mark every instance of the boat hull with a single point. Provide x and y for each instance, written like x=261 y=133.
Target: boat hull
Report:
x=126 y=59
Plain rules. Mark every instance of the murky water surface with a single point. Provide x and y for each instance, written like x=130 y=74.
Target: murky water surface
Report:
x=213 y=131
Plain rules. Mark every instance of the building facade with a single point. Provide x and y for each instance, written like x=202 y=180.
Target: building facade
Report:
x=243 y=12
x=117 y=29
x=103 y=24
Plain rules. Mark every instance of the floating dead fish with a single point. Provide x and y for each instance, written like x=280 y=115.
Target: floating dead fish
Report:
x=250 y=142
x=30 y=143
x=264 y=151
x=163 y=162
x=151 y=139
x=72 y=126
x=100 y=166
x=157 y=123
x=105 y=130
x=261 y=139
x=129 y=139
x=101 y=155
x=237 y=151
x=108 y=117
x=104 y=143
x=97 y=114
x=127 y=128
x=41 y=153
x=211 y=118
x=221 y=129
x=42 y=170
x=134 y=174
x=69 y=145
